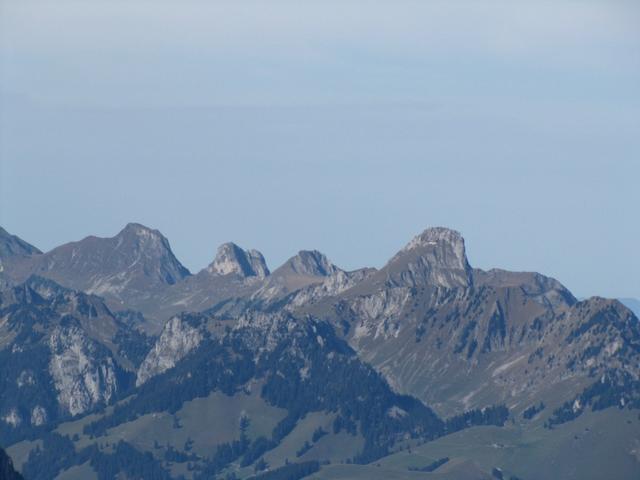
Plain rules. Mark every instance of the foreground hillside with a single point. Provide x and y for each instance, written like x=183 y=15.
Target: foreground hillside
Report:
x=119 y=363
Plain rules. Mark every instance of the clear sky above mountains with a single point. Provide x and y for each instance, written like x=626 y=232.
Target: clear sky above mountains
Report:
x=343 y=126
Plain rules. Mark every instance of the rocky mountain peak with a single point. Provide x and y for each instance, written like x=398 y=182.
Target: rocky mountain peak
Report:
x=141 y=232
x=437 y=256
x=311 y=263
x=135 y=228
x=231 y=259
x=441 y=237
x=307 y=268
x=127 y=265
x=137 y=237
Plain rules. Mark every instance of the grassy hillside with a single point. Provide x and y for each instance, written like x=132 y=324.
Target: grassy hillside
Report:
x=595 y=446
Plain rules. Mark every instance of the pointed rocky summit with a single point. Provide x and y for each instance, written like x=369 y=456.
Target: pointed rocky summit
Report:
x=437 y=257
x=310 y=263
x=231 y=259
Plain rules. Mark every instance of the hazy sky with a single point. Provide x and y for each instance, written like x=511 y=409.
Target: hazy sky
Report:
x=345 y=126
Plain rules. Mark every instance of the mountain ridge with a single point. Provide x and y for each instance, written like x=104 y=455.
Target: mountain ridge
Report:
x=376 y=362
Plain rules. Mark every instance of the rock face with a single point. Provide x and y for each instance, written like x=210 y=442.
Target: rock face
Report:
x=459 y=350
x=179 y=337
x=435 y=257
x=62 y=353
x=38 y=416
x=232 y=259
x=262 y=332
x=83 y=376
x=339 y=281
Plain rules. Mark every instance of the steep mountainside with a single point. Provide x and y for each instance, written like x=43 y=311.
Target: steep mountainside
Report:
x=62 y=353
x=459 y=338
x=297 y=369
x=127 y=270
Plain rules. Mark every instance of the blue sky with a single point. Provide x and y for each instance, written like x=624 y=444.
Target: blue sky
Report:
x=344 y=126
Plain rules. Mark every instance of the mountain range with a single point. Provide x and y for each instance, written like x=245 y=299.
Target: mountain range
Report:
x=117 y=362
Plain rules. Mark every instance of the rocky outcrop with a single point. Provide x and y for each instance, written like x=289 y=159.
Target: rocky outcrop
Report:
x=231 y=259
x=12 y=418
x=436 y=257
x=262 y=331
x=179 y=337
x=62 y=353
x=336 y=283
x=84 y=375
x=38 y=416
